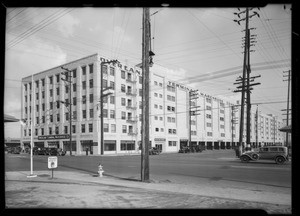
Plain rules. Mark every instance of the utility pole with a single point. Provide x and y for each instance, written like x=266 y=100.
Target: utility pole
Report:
x=68 y=79
x=145 y=96
x=102 y=96
x=193 y=95
x=32 y=123
x=256 y=128
x=245 y=79
x=233 y=122
x=288 y=103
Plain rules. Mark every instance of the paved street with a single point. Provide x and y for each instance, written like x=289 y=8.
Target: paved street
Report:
x=212 y=174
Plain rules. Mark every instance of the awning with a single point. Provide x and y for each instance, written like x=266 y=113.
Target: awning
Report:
x=8 y=118
x=287 y=128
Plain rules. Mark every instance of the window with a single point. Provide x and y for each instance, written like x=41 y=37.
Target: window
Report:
x=58 y=117
x=90 y=128
x=222 y=111
x=66 y=129
x=74 y=101
x=155 y=117
x=91 y=83
x=221 y=118
x=208 y=124
x=37 y=96
x=129 y=89
x=112 y=114
x=129 y=102
x=155 y=106
x=42 y=131
x=222 y=134
x=140 y=79
x=67 y=116
x=160 y=84
x=208 y=116
x=105 y=99
x=156 y=129
x=123 y=101
x=84 y=99
x=104 y=69
x=160 y=107
x=67 y=89
x=50 y=131
x=155 y=95
x=83 y=85
x=208 y=100
x=113 y=128
x=123 y=88
x=50 y=81
x=83 y=68
x=57 y=77
x=208 y=107
x=174 y=131
x=160 y=95
x=51 y=105
x=104 y=83
x=51 y=93
x=91 y=98
x=105 y=114
x=155 y=82
x=105 y=127
x=161 y=118
x=37 y=120
x=83 y=128
x=84 y=114
x=129 y=76
x=172 y=143
x=222 y=126
x=112 y=99
x=57 y=91
x=124 y=129
x=91 y=68
x=209 y=133
x=123 y=74
x=112 y=85
x=74 y=87
x=74 y=115
x=43 y=119
x=91 y=113
x=171 y=88
x=73 y=129
x=123 y=115
x=74 y=73
x=43 y=83
x=112 y=71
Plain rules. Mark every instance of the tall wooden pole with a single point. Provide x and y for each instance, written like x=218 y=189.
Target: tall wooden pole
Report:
x=243 y=86
x=145 y=97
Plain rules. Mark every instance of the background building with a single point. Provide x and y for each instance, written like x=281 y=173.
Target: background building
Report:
x=169 y=111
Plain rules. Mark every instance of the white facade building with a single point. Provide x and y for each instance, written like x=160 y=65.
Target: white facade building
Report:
x=169 y=112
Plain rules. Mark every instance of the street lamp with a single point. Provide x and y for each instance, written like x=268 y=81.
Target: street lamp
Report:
x=101 y=102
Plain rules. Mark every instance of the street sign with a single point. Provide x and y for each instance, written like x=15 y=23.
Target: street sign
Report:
x=49 y=137
x=52 y=162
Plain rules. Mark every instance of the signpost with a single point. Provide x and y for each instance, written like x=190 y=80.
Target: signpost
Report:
x=52 y=163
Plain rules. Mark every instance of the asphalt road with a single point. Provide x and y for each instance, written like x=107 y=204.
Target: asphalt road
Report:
x=218 y=168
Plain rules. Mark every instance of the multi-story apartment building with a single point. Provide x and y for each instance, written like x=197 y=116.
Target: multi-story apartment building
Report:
x=169 y=111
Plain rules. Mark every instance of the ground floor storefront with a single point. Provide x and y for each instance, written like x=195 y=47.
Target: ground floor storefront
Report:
x=127 y=146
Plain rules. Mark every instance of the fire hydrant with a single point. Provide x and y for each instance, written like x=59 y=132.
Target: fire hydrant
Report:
x=100 y=170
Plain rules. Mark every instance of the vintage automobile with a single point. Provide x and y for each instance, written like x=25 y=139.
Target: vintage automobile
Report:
x=277 y=153
x=57 y=152
x=154 y=151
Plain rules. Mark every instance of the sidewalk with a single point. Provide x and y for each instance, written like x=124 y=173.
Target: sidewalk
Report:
x=84 y=190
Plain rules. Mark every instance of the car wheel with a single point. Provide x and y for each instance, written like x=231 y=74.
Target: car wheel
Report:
x=244 y=158
x=279 y=160
x=255 y=156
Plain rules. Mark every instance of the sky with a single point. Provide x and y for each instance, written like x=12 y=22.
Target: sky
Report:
x=201 y=47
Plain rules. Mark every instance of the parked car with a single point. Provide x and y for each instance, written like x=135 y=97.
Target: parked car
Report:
x=57 y=152
x=39 y=151
x=154 y=151
x=277 y=153
x=184 y=149
x=14 y=150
